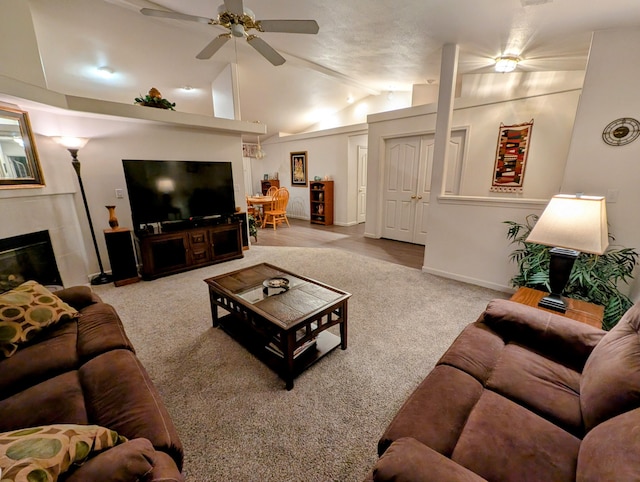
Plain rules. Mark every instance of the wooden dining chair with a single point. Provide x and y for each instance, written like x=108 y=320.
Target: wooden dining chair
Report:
x=278 y=211
x=271 y=191
x=254 y=210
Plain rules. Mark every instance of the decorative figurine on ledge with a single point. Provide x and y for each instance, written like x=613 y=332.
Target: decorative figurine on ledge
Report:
x=154 y=99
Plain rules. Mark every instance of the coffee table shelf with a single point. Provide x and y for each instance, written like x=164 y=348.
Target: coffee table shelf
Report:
x=288 y=319
x=325 y=343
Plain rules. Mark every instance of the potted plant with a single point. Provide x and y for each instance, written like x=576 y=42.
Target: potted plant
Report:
x=594 y=278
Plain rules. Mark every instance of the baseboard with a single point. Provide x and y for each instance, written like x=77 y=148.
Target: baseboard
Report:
x=469 y=280
x=353 y=223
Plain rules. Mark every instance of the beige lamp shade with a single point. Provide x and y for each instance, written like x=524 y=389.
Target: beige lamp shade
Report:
x=573 y=222
x=71 y=142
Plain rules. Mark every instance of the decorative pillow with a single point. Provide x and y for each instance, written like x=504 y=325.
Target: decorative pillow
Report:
x=43 y=453
x=25 y=311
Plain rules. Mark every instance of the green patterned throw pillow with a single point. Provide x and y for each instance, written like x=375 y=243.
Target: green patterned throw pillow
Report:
x=27 y=310
x=41 y=454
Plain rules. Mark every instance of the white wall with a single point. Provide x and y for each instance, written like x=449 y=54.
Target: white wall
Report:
x=466 y=238
x=610 y=92
x=328 y=154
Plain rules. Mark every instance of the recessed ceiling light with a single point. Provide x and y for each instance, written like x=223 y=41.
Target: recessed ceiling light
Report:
x=506 y=63
x=105 y=71
x=350 y=99
x=186 y=87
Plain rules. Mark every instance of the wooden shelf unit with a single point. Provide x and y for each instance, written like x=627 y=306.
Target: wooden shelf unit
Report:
x=321 y=202
x=267 y=183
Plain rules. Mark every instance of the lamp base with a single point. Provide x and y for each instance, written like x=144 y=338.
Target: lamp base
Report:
x=553 y=302
x=102 y=279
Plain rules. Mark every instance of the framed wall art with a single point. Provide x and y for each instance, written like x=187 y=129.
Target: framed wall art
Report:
x=299 y=168
x=511 y=157
x=249 y=150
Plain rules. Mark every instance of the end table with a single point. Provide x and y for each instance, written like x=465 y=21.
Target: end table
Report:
x=576 y=310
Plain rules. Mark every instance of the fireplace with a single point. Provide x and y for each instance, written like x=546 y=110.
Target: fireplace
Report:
x=28 y=257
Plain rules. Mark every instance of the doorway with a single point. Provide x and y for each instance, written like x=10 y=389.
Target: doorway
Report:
x=407 y=184
x=361 y=204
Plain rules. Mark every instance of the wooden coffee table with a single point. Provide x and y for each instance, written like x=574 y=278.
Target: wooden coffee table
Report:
x=281 y=317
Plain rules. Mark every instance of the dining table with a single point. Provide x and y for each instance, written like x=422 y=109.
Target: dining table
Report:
x=262 y=202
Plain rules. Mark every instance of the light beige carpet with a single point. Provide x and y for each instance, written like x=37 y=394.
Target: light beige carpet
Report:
x=236 y=420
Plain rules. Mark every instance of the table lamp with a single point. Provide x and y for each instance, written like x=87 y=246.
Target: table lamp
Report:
x=570 y=224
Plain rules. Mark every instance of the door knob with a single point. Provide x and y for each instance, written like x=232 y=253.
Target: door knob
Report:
x=419 y=197
x=413 y=197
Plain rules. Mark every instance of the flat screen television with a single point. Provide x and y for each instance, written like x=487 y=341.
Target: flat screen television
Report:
x=175 y=193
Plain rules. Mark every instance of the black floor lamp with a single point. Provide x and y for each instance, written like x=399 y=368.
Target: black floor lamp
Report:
x=73 y=144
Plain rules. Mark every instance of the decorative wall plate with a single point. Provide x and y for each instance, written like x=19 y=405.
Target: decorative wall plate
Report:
x=621 y=131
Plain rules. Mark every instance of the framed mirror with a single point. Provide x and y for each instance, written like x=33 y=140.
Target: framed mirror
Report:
x=19 y=163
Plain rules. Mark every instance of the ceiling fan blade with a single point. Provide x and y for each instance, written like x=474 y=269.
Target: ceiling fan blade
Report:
x=149 y=12
x=234 y=6
x=289 y=26
x=267 y=51
x=213 y=46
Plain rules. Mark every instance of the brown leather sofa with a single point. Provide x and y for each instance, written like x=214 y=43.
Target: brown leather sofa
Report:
x=523 y=395
x=85 y=371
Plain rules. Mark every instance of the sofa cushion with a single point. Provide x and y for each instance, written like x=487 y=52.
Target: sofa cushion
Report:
x=437 y=411
x=100 y=330
x=554 y=336
x=25 y=311
x=544 y=386
x=45 y=452
x=608 y=452
x=610 y=383
x=407 y=460
x=504 y=441
x=475 y=351
x=44 y=358
x=58 y=399
x=119 y=394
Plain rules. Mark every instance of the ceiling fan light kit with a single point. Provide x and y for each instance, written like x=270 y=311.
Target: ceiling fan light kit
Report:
x=239 y=20
x=507 y=63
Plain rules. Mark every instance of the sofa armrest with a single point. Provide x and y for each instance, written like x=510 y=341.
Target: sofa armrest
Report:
x=562 y=339
x=407 y=460
x=133 y=460
x=78 y=296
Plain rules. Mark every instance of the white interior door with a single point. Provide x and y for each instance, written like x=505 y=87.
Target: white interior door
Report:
x=361 y=203
x=423 y=190
x=399 y=193
x=407 y=192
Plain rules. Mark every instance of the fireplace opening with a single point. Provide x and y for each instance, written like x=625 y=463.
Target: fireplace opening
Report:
x=28 y=257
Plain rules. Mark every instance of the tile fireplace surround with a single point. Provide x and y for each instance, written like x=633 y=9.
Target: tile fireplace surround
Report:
x=25 y=213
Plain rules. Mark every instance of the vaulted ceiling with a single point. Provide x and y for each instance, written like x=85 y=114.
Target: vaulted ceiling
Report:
x=363 y=48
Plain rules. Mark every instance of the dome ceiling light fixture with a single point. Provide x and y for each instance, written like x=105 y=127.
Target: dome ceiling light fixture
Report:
x=506 y=63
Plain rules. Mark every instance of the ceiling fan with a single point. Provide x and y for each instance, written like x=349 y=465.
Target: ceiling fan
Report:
x=239 y=20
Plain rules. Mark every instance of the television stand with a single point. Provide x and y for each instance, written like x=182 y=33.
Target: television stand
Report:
x=189 y=248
